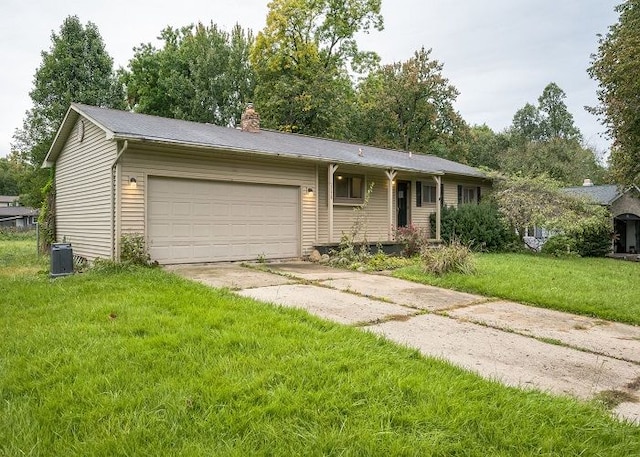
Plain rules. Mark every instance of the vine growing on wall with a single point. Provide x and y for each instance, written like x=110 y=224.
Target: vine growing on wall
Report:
x=47 y=216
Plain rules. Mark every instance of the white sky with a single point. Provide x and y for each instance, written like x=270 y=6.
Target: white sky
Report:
x=499 y=54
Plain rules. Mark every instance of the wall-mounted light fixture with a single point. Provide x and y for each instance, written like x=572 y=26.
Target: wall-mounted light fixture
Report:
x=309 y=191
x=133 y=183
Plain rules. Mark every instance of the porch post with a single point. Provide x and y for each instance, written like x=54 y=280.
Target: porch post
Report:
x=438 y=181
x=330 y=172
x=391 y=175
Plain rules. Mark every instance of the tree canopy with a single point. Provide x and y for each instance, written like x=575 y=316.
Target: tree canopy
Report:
x=408 y=105
x=201 y=73
x=77 y=68
x=539 y=201
x=616 y=66
x=302 y=60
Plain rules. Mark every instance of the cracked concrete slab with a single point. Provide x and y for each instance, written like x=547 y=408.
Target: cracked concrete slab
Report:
x=403 y=292
x=328 y=303
x=513 y=359
x=595 y=335
x=232 y=276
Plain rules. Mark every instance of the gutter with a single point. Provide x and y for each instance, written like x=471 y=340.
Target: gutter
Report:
x=208 y=147
x=114 y=186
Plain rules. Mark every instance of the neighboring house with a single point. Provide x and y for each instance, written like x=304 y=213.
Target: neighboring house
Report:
x=18 y=217
x=204 y=193
x=624 y=205
x=8 y=200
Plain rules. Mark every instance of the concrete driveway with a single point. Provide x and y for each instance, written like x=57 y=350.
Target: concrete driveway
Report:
x=518 y=345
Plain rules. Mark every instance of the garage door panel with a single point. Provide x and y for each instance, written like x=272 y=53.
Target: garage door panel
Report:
x=204 y=221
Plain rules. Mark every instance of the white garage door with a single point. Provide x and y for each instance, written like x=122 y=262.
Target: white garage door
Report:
x=209 y=221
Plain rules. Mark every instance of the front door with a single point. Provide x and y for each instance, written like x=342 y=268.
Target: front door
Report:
x=403 y=203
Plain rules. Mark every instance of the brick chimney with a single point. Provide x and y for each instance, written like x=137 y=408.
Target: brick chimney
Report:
x=250 y=120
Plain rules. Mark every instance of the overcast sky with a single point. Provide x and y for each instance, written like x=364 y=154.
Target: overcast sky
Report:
x=499 y=54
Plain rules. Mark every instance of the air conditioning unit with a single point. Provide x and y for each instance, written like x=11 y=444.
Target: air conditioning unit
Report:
x=61 y=259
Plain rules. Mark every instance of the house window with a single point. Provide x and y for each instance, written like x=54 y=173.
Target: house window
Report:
x=428 y=194
x=348 y=188
x=468 y=195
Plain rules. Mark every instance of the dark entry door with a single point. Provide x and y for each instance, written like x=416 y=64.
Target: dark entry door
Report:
x=403 y=203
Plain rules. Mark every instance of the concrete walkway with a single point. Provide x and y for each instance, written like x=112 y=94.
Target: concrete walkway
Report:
x=518 y=345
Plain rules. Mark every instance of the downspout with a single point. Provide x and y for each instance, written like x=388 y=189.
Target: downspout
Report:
x=114 y=185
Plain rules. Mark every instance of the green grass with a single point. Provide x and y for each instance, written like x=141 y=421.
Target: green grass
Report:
x=604 y=288
x=142 y=362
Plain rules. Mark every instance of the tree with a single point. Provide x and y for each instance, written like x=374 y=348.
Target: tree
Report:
x=616 y=66
x=566 y=161
x=12 y=174
x=545 y=141
x=76 y=68
x=486 y=147
x=526 y=123
x=556 y=121
x=201 y=74
x=302 y=60
x=548 y=121
x=409 y=105
x=539 y=201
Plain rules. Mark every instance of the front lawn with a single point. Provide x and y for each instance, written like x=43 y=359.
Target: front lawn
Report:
x=604 y=288
x=141 y=362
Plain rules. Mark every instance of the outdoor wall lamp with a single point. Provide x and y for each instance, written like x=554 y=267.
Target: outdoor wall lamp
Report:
x=309 y=191
x=133 y=183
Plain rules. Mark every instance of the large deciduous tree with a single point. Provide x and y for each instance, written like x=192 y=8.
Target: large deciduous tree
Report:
x=550 y=120
x=201 y=73
x=302 y=60
x=616 y=66
x=409 y=105
x=77 y=68
x=545 y=141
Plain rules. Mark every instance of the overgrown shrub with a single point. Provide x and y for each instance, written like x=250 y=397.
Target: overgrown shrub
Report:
x=453 y=257
x=590 y=241
x=413 y=239
x=594 y=241
x=560 y=245
x=480 y=226
x=133 y=250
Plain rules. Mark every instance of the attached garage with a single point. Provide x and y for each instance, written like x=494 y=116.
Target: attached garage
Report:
x=193 y=220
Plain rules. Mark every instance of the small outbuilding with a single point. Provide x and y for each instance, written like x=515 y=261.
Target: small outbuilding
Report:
x=204 y=193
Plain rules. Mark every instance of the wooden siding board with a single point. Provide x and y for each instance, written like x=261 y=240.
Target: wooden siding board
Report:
x=83 y=192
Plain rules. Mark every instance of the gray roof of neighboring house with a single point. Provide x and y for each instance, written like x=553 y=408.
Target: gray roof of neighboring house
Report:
x=605 y=195
x=9 y=211
x=8 y=198
x=125 y=125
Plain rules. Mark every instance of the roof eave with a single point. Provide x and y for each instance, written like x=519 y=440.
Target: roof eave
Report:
x=70 y=119
x=163 y=141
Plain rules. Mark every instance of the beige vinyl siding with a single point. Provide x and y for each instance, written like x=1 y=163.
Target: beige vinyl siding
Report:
x=83 y=192
x=451 y=189
x=420 y=214
x=377 y=217
x=144 y=161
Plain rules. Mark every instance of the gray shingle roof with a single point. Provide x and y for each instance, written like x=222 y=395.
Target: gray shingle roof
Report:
x=605 y=195
x=8 y=211
x=132 y=126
